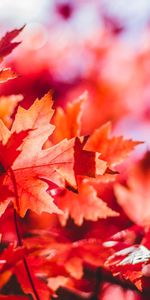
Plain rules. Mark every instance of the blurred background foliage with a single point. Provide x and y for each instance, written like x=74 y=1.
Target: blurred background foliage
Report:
x=69 y=46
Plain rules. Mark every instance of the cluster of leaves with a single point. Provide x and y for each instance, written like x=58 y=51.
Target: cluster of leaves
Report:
x=67 y=228
x=116 y=75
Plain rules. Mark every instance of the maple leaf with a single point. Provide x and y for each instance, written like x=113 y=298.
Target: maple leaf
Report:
x=129 y=263
x=135 y=197
x=7 y=107
x=26 y=172
x=83 y=205
x=6 y=44
x=58 y=258
x=8 y=152
x=113 y=149
x=67 y=258
x=6 y=47
x=87 y=163
x=44 y=282
x=36 y=118
x=38 y=289
x=29 y=170
x=8 y=258
x=68 y=122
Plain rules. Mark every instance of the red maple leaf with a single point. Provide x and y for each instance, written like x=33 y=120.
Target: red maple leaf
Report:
x=35 y=286
x=8 y=259
x=6 y=44
x=24 y=175
x=75 y=167
x=6 y=47
x=65 y=259
x=129 y=264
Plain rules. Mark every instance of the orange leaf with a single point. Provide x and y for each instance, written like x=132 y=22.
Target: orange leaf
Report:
x=113 y=149
x=7 y=74
x=24 y=175
x=7 y=107
x=87 y=163
x=68 y=122
x=85 y=205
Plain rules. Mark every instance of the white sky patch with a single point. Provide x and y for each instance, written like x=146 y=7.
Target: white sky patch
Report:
x=19 y=12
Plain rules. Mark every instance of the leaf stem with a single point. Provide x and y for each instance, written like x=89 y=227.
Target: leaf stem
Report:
x=20 y=243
